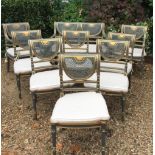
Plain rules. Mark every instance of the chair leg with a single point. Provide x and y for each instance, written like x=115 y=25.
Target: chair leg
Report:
x=130 y=80
x=18 y=85
x=123 y=106
x=142 y=68
x=7 y=60
x=103 y=130
x=53 y=134
x=34 y=99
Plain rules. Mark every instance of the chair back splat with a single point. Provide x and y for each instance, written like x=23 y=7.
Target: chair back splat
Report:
x=20 y=39
x=75 y=41
x=114 y=51
x=79 y=67
x=9 y=27
x=46 y=50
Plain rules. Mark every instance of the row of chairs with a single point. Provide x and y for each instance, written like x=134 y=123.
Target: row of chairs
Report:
x=70 y=59
x=96 y=30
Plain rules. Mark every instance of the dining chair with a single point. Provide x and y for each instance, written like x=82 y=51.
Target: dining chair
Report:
x=44 y=79
x=113 y=79
x=123 y=37
x=139 y=50
x=7 y=29
x=79 y=107
x=22 y=67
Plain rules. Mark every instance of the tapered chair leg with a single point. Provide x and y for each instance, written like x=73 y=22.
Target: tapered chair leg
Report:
x=53 y=134
x=103 y=130
x=18 y=85
x=34 y=99
x=122 y=98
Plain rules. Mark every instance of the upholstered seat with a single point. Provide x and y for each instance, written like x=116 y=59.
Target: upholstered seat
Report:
x=46 y=80
x=10 y=51
x=116 y=65
x=137 y=52
x=112 y=82
x=23 y=66
x=80 y=108
x=92 y=48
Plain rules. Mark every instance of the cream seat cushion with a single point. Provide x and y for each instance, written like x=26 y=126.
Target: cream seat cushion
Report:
x=116 y=65
x=92 y=48
x=10 y=51
x=23 y=66
x=80 y=108
x=46 y=80
x=111 y=82
x=137 y=52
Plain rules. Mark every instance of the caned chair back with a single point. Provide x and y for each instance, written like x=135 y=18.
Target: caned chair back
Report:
x=139 y=32
x=123 y=37
x=75 y=40
x=9 y=27
x=114 y=51
x=59 y=27
x=21 y=38
x=45 y=50
x=96 y=30
x=79 y=67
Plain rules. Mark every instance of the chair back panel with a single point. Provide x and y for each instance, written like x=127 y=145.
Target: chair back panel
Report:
x=113 y=50
x=45 y=49
x=59 y=27
x=79 y=67
x=124 y=37
x=138 y=31
x=96 y=30
x=75 y=39
x=20 y=38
